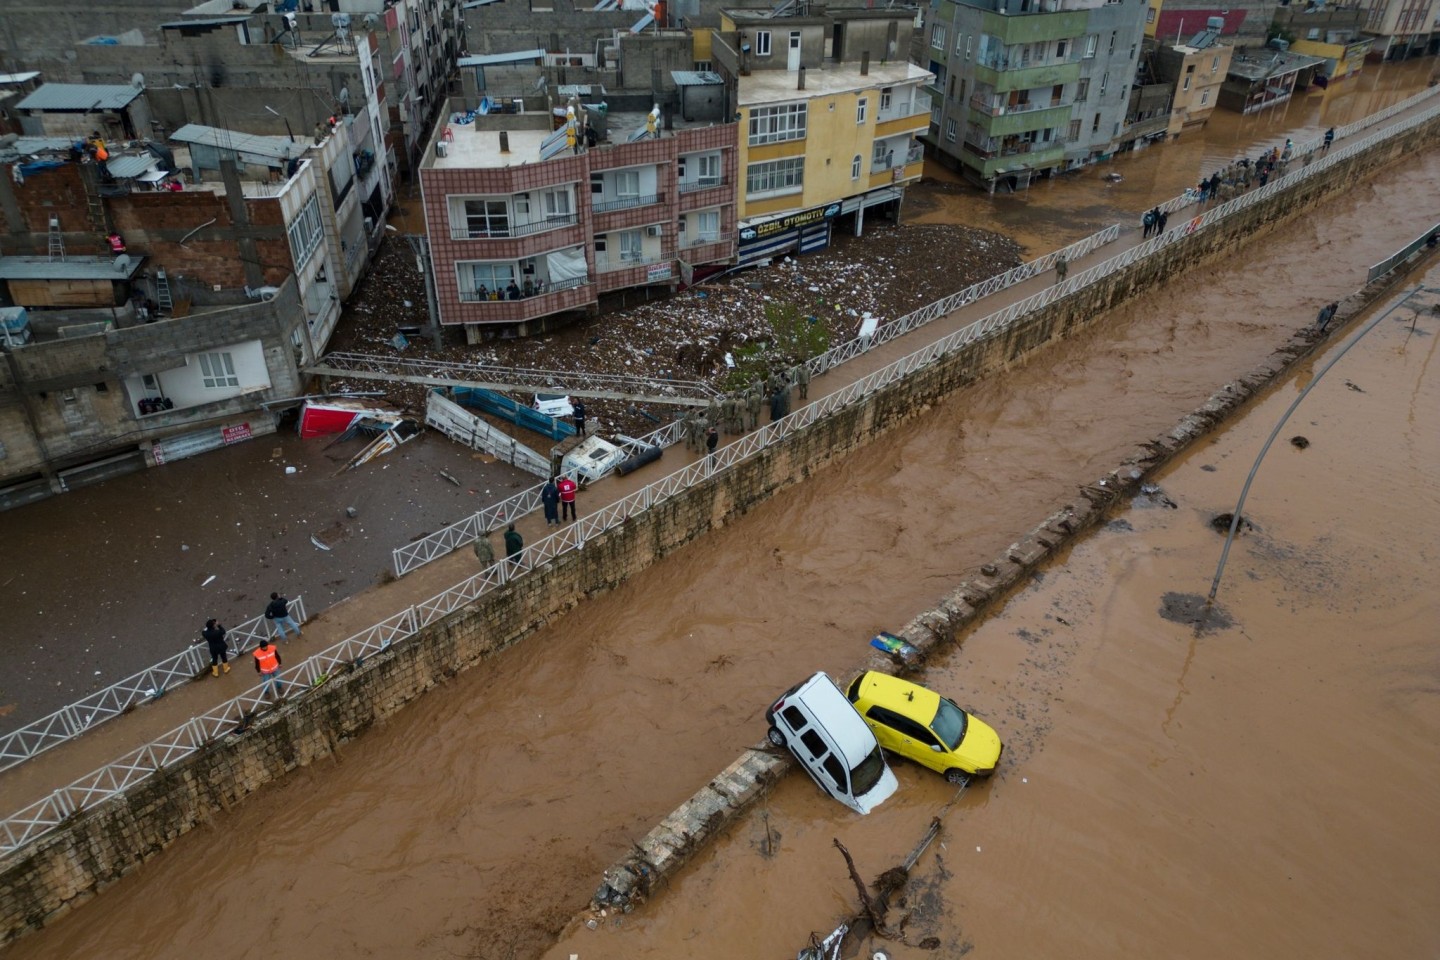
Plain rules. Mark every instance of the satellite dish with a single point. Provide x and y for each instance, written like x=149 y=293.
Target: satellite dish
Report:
x=340 y=21
x=137 y=80
x=370 y=21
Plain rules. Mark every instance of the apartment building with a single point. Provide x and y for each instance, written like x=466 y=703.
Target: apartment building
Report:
x=1401 y=28
x=830 y=111
x=1332 y=33
x=1028 y=88
x=531 y=225
x=1197 y=69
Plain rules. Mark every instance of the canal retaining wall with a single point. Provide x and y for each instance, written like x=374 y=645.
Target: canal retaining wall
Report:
x=99 y=844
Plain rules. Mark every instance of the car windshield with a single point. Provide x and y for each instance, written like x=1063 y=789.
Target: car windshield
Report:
x=868 y=773
x=949 y=724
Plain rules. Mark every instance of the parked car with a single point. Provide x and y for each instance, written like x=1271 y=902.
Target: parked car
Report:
x=554 y=405
x=832 y=743
x=923 y=726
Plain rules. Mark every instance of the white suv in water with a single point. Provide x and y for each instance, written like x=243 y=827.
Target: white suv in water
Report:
x=832 y=743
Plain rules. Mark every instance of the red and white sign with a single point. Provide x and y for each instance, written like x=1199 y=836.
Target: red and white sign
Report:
x=235 y=433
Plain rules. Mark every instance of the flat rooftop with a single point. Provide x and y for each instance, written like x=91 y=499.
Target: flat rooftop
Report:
x=471 y=148
x=779 y=86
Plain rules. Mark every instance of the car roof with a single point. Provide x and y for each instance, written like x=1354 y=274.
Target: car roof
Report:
x=901 y=696
x=833 y=712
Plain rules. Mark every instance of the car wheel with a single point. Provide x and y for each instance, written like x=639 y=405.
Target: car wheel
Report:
x=775 y=736
x=957 y=776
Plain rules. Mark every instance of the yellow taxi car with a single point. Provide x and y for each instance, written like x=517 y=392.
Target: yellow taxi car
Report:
x=920 y=724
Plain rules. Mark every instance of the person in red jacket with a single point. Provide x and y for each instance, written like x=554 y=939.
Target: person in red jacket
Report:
x=567 y=498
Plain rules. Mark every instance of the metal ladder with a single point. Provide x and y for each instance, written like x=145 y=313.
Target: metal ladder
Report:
x=162 y=291
x=57 y=240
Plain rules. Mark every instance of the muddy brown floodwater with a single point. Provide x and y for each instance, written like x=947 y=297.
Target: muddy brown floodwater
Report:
x=477 y=821
x=1258 y=790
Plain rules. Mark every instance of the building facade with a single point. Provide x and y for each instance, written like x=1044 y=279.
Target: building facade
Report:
x=829 y=111
x=530 y=226
x=1197 y=70
x=1025 y=88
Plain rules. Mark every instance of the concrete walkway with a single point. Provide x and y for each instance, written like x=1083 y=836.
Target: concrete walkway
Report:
x=36 y=778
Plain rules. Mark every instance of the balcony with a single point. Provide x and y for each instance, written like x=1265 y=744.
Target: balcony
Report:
x=920 y=105
x=914 y=154
x=701 y=183
x=626 y=203
x=510 y=231
x=1008 y=109
x=1026 y=22
x=1008 y=121
x=689 y=243
x=557 y=298
x=546 y=288
x=1028 y=76
x=625 y=261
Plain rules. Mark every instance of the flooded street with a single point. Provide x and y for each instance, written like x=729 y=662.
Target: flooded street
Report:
x=478 y=820
x=106 y=581
x=1066 y=208
x=1256 y=790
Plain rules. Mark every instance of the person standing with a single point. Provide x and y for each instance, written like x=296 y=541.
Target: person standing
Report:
x=1149 y=222
x=1160 y=224
x=550 y=500
x=1061 y=268
x=484 y=551
x=267 y=664
x=514 y=543
x=278 y=612
x=579 y=418
x=1329 y=139
x=802 y=377
x=567 y=498
x=214 y=636
x=712 y=440
x=753 y=402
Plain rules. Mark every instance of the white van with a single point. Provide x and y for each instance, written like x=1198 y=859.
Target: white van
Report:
x=832 y=743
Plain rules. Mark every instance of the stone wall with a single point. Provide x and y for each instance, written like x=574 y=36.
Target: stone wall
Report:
x=101 y=844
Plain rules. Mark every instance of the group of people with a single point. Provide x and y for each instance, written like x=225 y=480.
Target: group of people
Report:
x=514 y=543
x=512 y=291
x=1237 y=177
x=266 y=655
x=1154 y=221
x=739 y=410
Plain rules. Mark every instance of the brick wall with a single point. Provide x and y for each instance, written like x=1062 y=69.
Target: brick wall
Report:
x=100 y=845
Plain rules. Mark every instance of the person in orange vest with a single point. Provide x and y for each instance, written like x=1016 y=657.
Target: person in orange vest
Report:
x=267 y=664
x=567 y=498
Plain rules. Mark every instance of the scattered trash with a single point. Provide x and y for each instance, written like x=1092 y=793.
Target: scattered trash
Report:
x=289 y=470
x=319 y=544
x=207 y=580
x=351 y=512
x=399 y=342
x=1299 y=442
x=450 y=478
x=391 y=435
x=895 y=646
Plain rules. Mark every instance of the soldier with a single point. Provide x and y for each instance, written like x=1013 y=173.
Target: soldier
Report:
x=727 y=413
x=752 y=408
x=802 y=377
x=693 y=431
x=712 y=413
x=757 y=386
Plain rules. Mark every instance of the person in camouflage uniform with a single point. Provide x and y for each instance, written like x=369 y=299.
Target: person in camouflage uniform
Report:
x=753 y=402
x=802 y=379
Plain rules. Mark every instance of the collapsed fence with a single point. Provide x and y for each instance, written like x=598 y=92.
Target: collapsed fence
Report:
x=234 y=716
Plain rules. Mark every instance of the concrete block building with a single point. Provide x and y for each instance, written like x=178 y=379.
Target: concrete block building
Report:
x=1028 y=88
x=830 y=110
x=530 y=225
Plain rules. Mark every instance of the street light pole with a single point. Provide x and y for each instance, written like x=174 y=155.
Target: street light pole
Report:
x=284 y=118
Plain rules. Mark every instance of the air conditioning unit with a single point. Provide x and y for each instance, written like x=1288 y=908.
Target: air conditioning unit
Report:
x=441 y=147
x=655 y=231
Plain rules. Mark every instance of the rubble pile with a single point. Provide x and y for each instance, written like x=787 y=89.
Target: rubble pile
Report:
x=888 y=272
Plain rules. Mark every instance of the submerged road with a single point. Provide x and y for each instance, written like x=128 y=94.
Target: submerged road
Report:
x=477 y=821
x=1259 y=789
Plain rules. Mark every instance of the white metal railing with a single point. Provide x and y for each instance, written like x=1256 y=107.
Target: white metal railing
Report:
x=88 y=712
x=234 y=716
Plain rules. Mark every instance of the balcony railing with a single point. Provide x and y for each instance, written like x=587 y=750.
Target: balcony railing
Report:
x=513 y=230
x=626 y=203
x=699 y=241
x=990 y=150
x=473 y=296
x=1002 y=62
x=1009 y=109
x=701 y=183
x=917 y=107
x=914 y=154
x=606 y=265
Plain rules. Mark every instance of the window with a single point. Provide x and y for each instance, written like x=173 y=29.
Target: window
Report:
x=1215 y=65
x=1091 y=42
x=1095 y=127
x=1060 y=47
x=557 y=203
x=951 y=94
x=627 y=184
x=1149 y=14
x=836 y=770
x=707 y=169
x=493 y=277
x=1074 y=130
x=776 y=124
x=775 y=177
x=1186 y=86
x=814 y=743
x=855 y=168
x=902 y=725
x=1112 y=40
x=306 y=232
x=1082 y=90
x=862 y=107
x=703 y=66
x=950 y=130
x=632 y=243
x=597 y=184
x=1104 y=82
x=707 y=226
x=937 y=36
x=967 y=46
x=793 y=718
x=1313 y=34
x=217 y=371
x=487 y=218
x=762 y=43
x=1204 y=97
x=887 y=96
